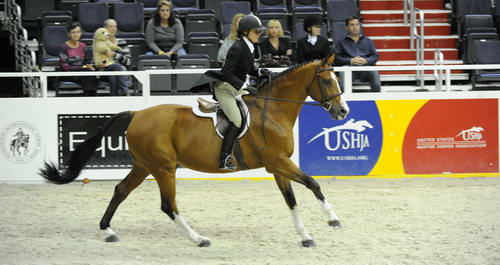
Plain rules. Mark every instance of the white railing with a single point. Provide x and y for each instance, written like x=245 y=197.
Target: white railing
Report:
x=144 y=76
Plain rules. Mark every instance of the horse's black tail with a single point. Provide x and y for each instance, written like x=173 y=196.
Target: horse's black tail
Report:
x=82 y=153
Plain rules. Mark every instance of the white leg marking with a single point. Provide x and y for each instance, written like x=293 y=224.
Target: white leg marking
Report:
x=189 y=232
x=110 y=235
x=327 y=208
x=299 y=226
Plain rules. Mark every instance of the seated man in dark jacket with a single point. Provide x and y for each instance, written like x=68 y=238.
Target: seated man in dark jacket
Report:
x=313 y=46
x=356 y=49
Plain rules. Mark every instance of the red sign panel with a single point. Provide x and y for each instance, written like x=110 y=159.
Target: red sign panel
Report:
x=455 y=136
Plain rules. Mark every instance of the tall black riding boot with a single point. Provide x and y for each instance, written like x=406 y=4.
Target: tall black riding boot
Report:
x=225 y=160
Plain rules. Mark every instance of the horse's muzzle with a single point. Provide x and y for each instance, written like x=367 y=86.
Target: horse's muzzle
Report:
x=339 y=113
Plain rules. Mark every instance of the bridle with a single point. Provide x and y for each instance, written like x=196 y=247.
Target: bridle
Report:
x=324 y=102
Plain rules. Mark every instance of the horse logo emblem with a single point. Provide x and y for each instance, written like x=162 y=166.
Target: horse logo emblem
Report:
x=473 y=133
x=20 y=142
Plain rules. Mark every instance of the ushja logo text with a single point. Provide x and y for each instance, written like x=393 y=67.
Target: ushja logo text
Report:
x=346 y=136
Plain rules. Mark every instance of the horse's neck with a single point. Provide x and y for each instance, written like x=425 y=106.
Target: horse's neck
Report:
x=292 y=87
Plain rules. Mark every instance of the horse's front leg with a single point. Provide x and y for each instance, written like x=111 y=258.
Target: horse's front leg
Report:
x=284 y=167
x=286 y=189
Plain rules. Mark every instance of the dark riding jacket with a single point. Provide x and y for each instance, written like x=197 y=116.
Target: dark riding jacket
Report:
x=239 y=63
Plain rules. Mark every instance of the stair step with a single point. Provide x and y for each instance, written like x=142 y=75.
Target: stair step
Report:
x=400 y=29
x=403 y=42
x=396 y=16
x=407 y=54
x=398 y=4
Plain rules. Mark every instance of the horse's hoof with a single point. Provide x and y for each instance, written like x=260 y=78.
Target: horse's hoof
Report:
x=308 y=243
x=204 y=243
x=112 y=238
x=335 y=224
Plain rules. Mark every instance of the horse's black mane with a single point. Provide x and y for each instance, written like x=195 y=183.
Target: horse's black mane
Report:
x=285 y=73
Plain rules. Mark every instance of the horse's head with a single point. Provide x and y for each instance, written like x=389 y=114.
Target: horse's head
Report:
x=325 y=89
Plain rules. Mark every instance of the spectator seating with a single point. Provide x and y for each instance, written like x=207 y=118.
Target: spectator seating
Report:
x=473 y=37
x=303 y=8
x=215 y=5
x=91 y=17
x=108 y=1
x=338 y=11
x=229 y=9
x=130 y=20
x=52 y=39
x=478 y=23
x=184 y=82
x=56 y=18
x=272 y=9
x=204 y=43
x=486 y=52
x=462 y=8
x=73 y=6
x=158 y=83
x=149 y=7
x=195 y=22
x=184 y=7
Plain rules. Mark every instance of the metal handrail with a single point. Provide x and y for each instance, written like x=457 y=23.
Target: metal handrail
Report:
x=438 y=73
x=416 y=38
x=25 y=55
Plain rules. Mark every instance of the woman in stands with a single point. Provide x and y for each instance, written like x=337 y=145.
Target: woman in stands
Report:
x=164 y=32
x=313 y=46
x=230 y=39
x=275 y=49
x=75 y=56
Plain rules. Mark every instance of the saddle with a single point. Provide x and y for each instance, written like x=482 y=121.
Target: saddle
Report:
x=208 y=109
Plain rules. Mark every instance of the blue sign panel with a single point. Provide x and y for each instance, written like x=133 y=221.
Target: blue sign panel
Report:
x=347 y=147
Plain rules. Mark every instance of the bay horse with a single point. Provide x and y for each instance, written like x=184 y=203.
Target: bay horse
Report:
x=163 y=137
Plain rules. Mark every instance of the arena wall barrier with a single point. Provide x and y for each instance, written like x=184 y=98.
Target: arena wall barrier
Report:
x=386 y=134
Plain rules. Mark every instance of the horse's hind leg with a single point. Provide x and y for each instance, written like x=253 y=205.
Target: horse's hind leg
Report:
x=166 y=182
x=286 y=189
x=289 y=170
x=134 y=178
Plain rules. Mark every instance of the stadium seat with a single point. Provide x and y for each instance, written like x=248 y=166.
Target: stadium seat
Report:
x=108 y=1
x=149 y=7
x=486 y=52
x=72 y=5
x=339 y=10
x=56 y=18
x=158 y=83
x=200 y=23
x=272 y=9
x=462 y=8
x=53 y=38
x=473 y=22
x=184 y=7
x=130 y=19
x=303 y=8
x=204 y=43
x=471 y=38
x=91 y=17
x=190 y=61
x=338 y=31
x=231 y=8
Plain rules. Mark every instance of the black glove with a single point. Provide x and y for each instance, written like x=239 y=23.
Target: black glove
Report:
x=252 y=90
x=263 y=72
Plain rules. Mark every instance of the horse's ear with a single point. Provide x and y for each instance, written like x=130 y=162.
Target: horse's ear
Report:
x=329 y=59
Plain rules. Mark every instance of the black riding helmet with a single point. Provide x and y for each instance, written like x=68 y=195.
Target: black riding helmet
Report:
x=312 y=21
x=249 y=22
